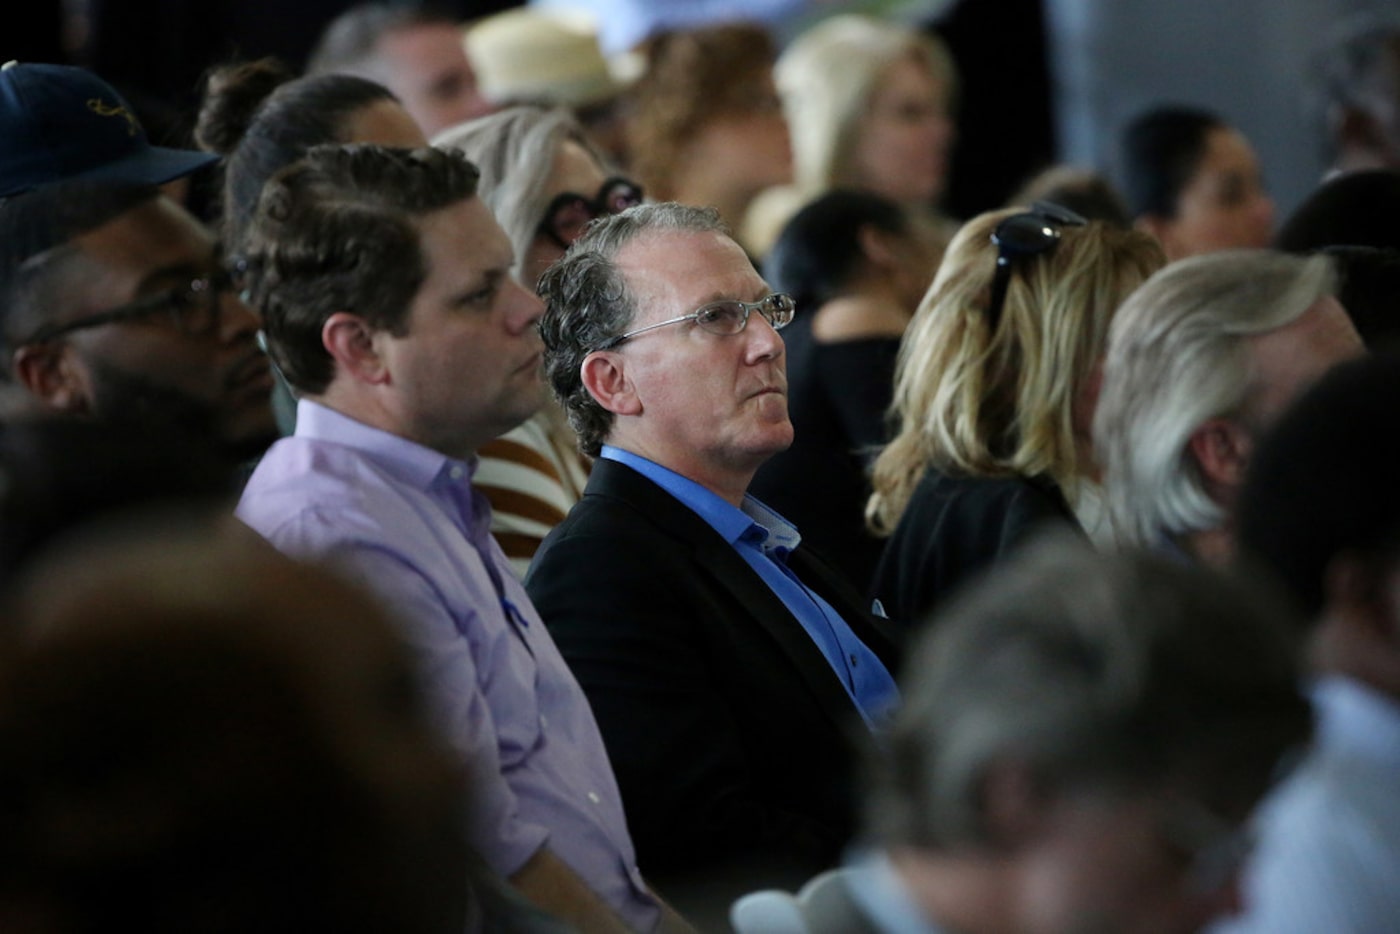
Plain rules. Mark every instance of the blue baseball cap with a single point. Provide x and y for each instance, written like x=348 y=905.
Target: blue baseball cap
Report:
x=59 y=123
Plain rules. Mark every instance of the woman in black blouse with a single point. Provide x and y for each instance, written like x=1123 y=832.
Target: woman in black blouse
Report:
x=856 y=264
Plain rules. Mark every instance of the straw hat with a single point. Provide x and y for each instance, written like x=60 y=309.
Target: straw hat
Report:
x=528 y=55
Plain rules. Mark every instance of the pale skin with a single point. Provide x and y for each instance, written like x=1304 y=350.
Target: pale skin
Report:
x=905 y=135
x=1286 y=361
x=710 y=407
x=426 y=67
x=574 y=170
x=1223 y=206
x=469 y=316
x=1063 y=863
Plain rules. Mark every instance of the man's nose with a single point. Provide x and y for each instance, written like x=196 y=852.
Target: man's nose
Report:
x=523 y=307
x=764 y=341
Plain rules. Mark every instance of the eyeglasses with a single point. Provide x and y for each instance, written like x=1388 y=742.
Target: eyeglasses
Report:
x=193 y=309
x=725 y=318
x=569 y=213
x=1031 y=233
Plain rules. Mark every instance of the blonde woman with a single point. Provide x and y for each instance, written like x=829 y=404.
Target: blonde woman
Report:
x=868 y=104
x=995 y=391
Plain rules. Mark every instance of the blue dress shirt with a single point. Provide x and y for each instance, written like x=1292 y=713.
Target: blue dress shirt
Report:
x=764 y=539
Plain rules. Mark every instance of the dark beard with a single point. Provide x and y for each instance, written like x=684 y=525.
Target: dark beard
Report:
x=124 y=397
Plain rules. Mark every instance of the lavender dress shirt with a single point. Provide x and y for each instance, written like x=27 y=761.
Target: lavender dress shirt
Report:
x=405 y=521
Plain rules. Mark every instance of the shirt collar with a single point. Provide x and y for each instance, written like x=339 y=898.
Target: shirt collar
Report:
x=405 y=460
x=755 y=523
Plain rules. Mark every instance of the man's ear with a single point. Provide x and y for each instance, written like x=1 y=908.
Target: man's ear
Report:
x=604 y=375
x=52 y=375
x=1221 y=447
x=353 y=345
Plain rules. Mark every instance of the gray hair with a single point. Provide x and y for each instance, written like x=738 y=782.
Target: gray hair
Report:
x=515 y=150
x=588 y=301
x=1096 y=673
x=1179 y=355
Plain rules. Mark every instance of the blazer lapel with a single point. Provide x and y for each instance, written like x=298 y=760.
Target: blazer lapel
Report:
x=718 y=560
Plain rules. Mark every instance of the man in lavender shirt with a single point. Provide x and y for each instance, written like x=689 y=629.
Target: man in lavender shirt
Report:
x=389 y=305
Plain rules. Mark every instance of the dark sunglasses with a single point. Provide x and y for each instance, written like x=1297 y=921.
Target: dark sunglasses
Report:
x=1030 y=233
x=569 y=212
x=192 y=309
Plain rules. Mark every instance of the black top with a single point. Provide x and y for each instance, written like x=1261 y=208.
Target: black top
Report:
x=954 y=527
x=838 y=394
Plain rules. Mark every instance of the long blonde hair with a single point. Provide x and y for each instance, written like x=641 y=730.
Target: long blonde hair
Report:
x=982 y=404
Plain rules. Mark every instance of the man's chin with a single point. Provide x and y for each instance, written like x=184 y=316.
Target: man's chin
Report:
x=772 y=442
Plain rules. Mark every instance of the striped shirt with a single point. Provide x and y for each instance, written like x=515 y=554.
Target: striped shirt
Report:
x=532 y=476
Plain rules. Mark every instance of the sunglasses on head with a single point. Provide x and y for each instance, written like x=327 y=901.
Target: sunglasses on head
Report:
x=1030 y=233
x=569 y=212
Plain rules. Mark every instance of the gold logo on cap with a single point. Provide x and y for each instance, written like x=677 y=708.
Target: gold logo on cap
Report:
x=97 y=106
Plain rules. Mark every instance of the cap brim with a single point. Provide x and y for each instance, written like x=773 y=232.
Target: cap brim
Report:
x=155 y=165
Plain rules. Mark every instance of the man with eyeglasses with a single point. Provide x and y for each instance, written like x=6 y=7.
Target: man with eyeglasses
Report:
x=1082 y=739
x=115 y=306
x=113 y=302
x=730 y=670
x=390 y=306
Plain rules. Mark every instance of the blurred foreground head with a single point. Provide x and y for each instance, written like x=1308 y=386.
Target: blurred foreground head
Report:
x=199 y=734
x=1082 y=736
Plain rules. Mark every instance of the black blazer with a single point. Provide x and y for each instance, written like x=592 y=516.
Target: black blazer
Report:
x=730 y=734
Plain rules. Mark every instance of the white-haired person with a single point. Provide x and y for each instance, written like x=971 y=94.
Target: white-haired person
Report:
x=544 y=180
x=1082 y=739
x=1201 y=360
x=994 y=392
x=869 y=106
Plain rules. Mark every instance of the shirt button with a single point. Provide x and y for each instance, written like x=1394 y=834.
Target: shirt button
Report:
x=456 y=473
x=544 y=721
x=593 y=796
x=853 y=660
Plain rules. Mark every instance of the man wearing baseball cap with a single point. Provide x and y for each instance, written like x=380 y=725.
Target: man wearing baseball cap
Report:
x=113 y=300
x=59 y=123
